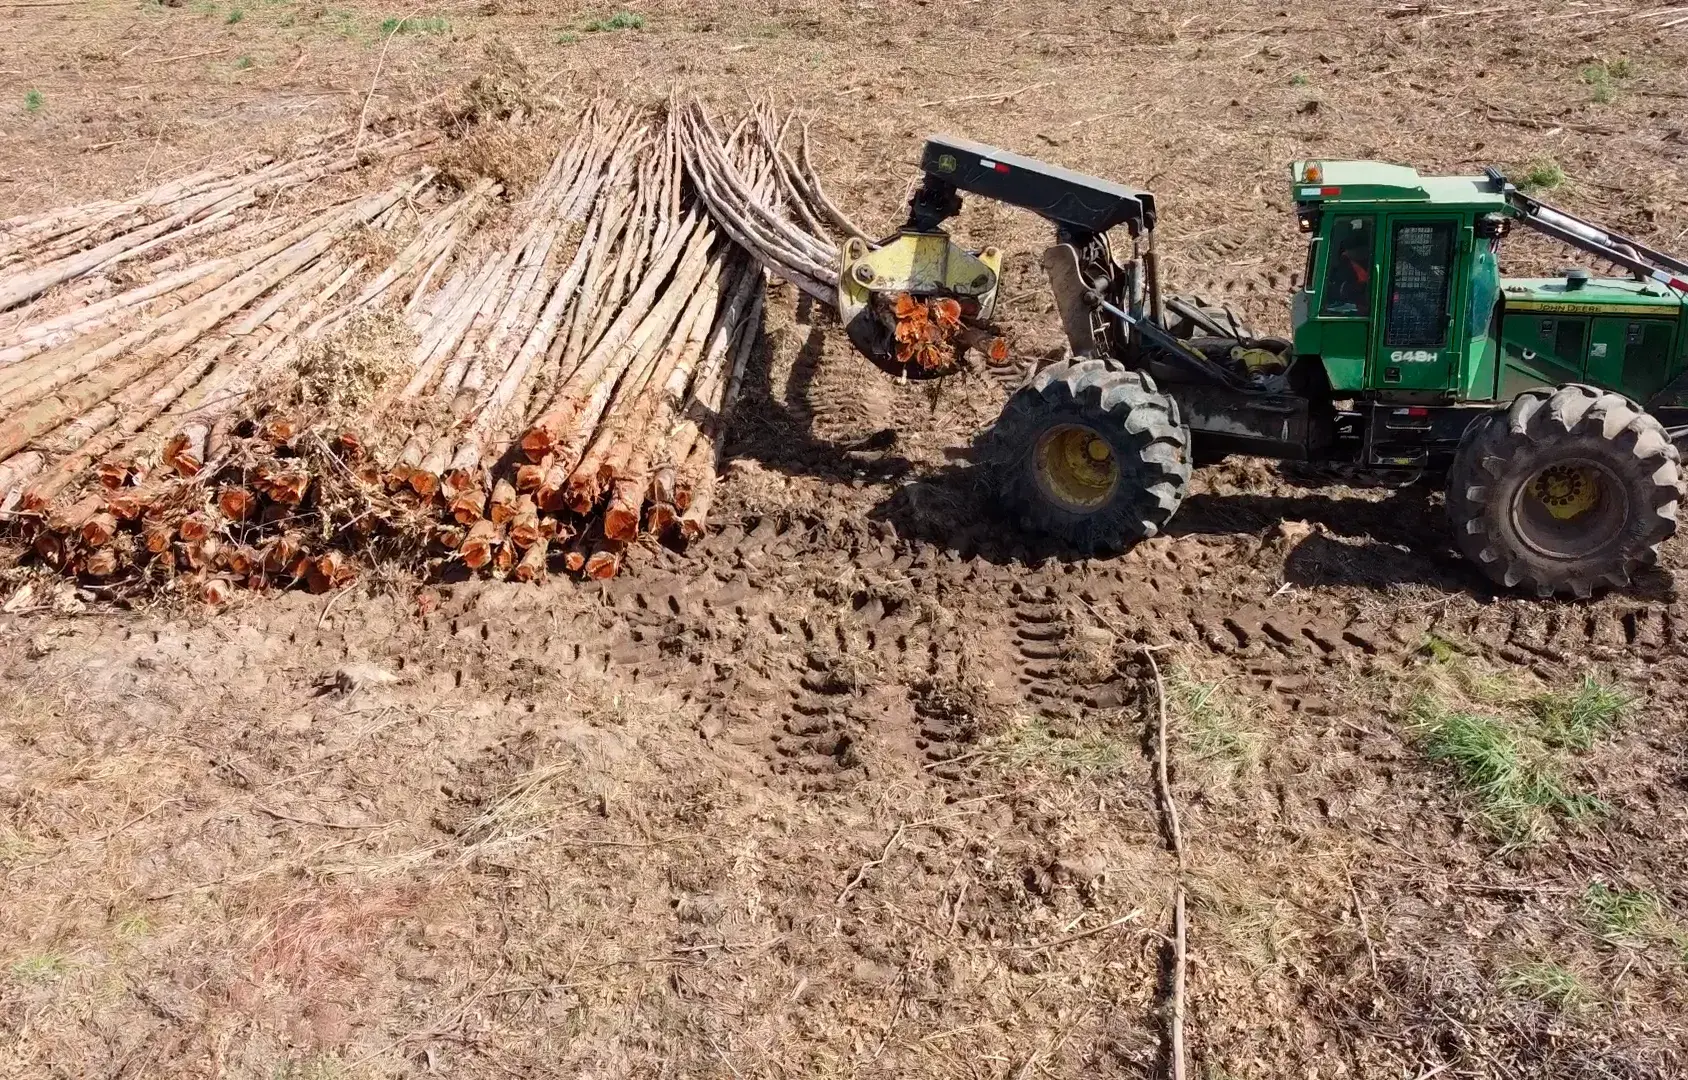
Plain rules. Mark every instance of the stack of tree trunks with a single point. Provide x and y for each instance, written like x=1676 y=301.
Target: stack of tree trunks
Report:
x=189 y=396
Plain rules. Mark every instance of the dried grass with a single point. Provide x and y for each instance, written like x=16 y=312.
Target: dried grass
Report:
x=340 y=373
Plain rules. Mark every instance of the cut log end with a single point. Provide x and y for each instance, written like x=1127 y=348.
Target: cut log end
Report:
x=98 y=530
x=603 y=564
x=237 y=503
x=621 y=521
x=532 y=564
x=477 y=547
x=469 y=507
x=659 y=518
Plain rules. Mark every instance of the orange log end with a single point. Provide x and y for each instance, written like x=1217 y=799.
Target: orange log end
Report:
x=603 y=564
x=456 y=481
x=280 y=553
x=532 y=566
x=337 y=568
x=156 y=536
x=469 y=506
x=424 y=483
x=195 y=527
x=126 y=503
x=236 y=503
x=660 y=518
x=477 y=549
x=621 y=522
x=112 y=474
x=530 y=475
x=289 y=486
x=501 y=507
x=98 y=530
x=241 y=559
x=278 y=430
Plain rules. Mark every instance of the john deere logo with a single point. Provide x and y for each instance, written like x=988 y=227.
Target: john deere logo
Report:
x=946 y=162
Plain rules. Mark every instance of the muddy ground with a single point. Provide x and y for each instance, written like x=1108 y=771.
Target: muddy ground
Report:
x=860 y=785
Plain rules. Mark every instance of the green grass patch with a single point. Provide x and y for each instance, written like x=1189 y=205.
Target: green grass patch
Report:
x=1442 y=650
x=343 y=22
x=1575 y=718
x=1209 y=722
x=1549 y=984
x=567 y=37
x=234 y=16
x=1543 y=176
x=1298 y=79
x=1515 y=782
x=243 y=63
x=33 y=100
x=39 y=969
x=1622 y=914
x=1034 y=744
x=427 y=24
x=621 y=20
x=1602 y=79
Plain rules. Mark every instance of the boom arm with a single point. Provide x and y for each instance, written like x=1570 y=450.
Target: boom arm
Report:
x=1081 y=203
x=1631 y=254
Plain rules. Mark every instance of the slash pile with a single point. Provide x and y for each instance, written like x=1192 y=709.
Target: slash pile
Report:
x=273 y=372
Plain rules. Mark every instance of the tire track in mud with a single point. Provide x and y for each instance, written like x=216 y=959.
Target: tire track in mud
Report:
x=844 y=400
x=837 y=650
x=1040 y=636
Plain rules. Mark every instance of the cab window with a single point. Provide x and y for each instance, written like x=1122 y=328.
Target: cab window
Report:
x=1418 y=286
x=1349 y=270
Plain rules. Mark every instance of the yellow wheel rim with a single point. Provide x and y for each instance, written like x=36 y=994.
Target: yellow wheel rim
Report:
x=1076 y=467
x=1567 y=492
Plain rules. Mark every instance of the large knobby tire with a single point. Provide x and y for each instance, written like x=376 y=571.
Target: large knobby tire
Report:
x=1564 y=491
x=1090 y=455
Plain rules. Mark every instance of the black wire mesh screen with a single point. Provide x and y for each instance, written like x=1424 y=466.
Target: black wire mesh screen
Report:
x=1418 y=290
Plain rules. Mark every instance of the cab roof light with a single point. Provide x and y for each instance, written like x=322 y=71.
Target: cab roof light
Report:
x=1313 y=173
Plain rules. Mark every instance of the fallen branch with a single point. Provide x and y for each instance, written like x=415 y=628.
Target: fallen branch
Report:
x=1175 y=835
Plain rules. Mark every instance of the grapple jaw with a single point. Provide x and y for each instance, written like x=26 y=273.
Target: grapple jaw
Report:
x=916 y=303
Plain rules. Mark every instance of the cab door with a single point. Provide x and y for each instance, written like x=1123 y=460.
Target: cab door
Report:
x=1345 y=264
x=1415 y=344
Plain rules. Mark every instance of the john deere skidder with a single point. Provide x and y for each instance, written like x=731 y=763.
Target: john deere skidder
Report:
x=1552 y=407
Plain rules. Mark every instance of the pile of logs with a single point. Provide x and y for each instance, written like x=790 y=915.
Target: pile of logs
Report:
x=231 y=380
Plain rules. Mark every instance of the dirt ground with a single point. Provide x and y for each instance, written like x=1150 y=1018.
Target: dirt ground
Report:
x=860 y=784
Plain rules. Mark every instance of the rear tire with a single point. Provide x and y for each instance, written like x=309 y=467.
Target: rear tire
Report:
x=1090 y=455
x=1564 y=491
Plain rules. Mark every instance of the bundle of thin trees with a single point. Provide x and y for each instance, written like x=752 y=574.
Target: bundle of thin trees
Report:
x=553 y=381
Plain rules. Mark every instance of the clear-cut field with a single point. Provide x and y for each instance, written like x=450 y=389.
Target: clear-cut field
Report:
x=855 y=785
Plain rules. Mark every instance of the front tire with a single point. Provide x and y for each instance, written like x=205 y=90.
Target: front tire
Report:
x=1564 y=492
x=1090 y=455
